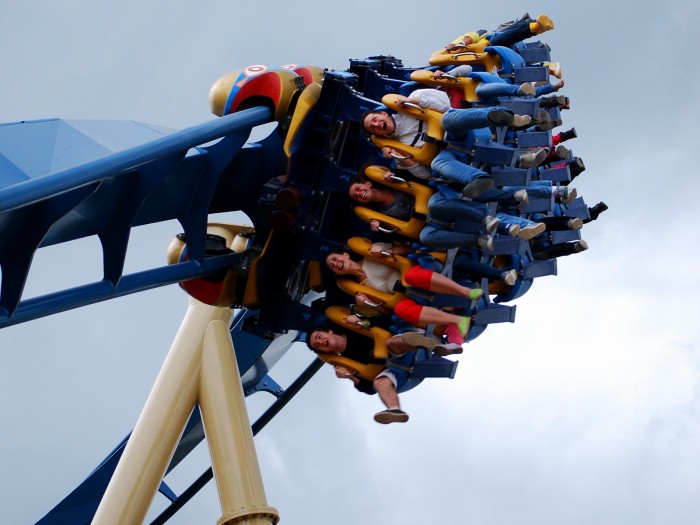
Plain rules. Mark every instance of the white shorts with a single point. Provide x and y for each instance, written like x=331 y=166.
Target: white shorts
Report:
x=389 y=374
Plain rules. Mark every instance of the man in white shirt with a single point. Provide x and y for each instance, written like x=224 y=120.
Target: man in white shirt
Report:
x=456 y=123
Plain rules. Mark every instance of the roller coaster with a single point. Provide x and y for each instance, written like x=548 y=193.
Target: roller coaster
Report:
x=260 y=288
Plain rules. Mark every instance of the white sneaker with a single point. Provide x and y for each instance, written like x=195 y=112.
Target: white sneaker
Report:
x=581 y=246
x=509 y=277
x=520 y=121
x=521 y=196
x=575 y=224
x=526 y=89
x=531 y=230
x=564 y=194
x=513 y=230
x=491 y=223
x=485 y=242
x=533 y=159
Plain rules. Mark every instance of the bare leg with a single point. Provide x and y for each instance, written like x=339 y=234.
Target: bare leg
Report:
x=441 y=284
x=456 y=326
x=387 y=393
x=430 y=315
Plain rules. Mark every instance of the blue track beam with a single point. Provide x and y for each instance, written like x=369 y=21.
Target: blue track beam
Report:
x=34 y=190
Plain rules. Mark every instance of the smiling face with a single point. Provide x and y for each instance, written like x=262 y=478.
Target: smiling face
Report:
x=338 y=263
x=361 y=192
x=327 y=342
x=379 y=123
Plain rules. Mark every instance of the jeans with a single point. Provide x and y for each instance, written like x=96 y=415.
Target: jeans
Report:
x=512 y=34
x=554 y=224
x=507 y=220
x=453 y=165
x=549 y=250
x=447 y=165
x=490 y=91
x=436 y=237
x=540 y=189
x=457 y=122
x=455 y=208
x=536 y=190
x=476 y=269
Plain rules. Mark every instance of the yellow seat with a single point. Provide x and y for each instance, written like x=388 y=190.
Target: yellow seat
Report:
x=307 y=100
x=464 y=85
x=337 y=314
x=352 y=288
x=427 y=152
x=474 y=47
x=368 y=372
x=316 y=277
x=420 y=192
x=472 y=54
x=380 y=336
x=251 y=298
x=362 y=245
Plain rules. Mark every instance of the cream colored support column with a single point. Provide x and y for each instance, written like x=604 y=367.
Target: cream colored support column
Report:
x=227 y=427
x=161 y=423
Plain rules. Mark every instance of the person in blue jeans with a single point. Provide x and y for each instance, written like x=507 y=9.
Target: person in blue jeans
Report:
x=447 y=206
x=519 y=30
x=505 y=35
x=443 y=230
x=513 y=195
x=491 y=86
x=399 y=205
x=456 y=123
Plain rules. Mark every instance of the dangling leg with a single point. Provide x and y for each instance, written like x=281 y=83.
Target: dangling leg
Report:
x=385 y=385
x=436 y=282
x=457 y=326
x=443 y=239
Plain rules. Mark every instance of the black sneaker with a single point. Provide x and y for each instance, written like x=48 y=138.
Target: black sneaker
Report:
x=500 y=117
x=567 y=135
x=576 y=167
x=554 y=101
x=477 y=187
x=597 y=210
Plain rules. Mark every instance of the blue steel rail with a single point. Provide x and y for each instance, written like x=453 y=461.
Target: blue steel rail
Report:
x=170 y=177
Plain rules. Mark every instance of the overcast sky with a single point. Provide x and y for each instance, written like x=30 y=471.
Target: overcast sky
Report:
x=585 y=410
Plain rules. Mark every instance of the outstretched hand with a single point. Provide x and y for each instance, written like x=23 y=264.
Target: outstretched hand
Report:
x=342 y=372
